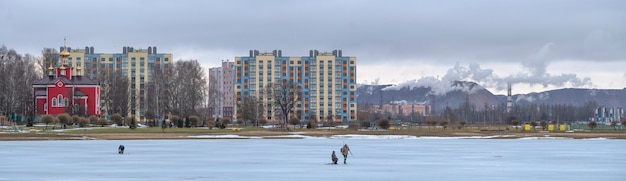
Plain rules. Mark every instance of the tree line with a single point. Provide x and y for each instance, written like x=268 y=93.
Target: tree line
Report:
x=468 y=113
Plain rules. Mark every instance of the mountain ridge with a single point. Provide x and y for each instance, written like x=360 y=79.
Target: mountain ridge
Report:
x=472 y=92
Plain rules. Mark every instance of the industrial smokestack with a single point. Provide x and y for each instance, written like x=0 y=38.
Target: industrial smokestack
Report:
x=509 y=99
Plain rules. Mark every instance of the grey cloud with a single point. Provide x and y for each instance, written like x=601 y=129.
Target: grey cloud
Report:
x=536 y=74
x=443 y=30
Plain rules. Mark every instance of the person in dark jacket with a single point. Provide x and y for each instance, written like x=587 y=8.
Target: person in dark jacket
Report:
x=334 y=158
x=120 y=149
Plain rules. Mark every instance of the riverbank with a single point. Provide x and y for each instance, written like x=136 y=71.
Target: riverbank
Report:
x=246 y=133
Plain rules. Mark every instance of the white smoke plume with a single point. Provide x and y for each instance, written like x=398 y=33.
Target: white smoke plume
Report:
x=535 y=73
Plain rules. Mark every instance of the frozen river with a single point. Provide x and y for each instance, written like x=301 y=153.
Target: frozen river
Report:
x=307 y=159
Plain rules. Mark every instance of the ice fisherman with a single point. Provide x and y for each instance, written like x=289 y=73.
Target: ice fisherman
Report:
x=344 y=151
x=120 y=149
x=334 y=158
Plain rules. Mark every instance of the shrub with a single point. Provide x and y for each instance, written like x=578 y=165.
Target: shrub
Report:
x=176 y=120
x=75 y=119
x=431 y=121
x=294 y=121
x=263 y=121
x=131 y=121
x=193 y=120
x=225 y=121
x=102 y=122
x=64 y=118
x=365 y=124
x=383 y=124
x=515 y=122
x=592 y=124
x=311 y=125
x=444 y=124
x=47 y=119
x=211 y=123
x=82 y=121
x=117 y=119
x=93 y=119
x=462 y=124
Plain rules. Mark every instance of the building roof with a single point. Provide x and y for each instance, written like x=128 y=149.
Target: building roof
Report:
x=76 y=80
x=79 y=93
x=40 y=93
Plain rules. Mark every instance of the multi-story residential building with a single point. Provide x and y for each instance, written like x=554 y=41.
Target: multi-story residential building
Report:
x=401 y=109
x=327 y=81
x=221 y=91
x=138 y=65
x=604 y=115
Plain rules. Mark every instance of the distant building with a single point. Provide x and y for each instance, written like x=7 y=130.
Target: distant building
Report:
x=139 y=65
x=221 y=91
x=65 y=90
x=327 y=80
x=603 y=115
x=401 y=109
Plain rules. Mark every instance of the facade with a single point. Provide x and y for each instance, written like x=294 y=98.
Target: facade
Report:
x=327 y=81
x=136 y=64
x=221 y=91
x=65 y=90
x=604 y=115
x=401 y=109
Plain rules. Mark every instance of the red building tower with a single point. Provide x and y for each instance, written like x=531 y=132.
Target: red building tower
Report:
x=64 y=90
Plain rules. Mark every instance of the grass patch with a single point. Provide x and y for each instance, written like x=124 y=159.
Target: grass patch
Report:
x=97 y=130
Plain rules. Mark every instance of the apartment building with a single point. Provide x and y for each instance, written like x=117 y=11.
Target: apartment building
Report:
x=221 y=91
x=327 y=81
x=136 y=64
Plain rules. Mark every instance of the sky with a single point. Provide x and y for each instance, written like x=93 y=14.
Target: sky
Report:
x=535 y=45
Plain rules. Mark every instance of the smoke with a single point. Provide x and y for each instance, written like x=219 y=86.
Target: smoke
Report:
x=449 y=82
x=534 y=73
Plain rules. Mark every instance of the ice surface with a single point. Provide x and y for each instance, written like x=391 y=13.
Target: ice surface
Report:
x=386 y=158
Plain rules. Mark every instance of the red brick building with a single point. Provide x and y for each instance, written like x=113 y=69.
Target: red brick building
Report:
x=65 y=90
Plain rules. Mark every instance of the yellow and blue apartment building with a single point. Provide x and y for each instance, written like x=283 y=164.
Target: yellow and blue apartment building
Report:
x=327 y=81
x=138 y=65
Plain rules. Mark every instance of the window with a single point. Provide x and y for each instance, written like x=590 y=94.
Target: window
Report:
x=167 y=59
x=60 y=100
x=66 y=102
x=54 y=102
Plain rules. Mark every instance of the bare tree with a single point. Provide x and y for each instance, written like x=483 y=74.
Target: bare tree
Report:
x=188 y=87
x=17 y=72
x=250 y=108
x=49 y=58
x=116 y=88
x=156 y=91
x=215 y=94
x=285 y=95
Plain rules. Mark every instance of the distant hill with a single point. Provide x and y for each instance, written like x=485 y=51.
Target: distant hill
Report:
x=477 y=95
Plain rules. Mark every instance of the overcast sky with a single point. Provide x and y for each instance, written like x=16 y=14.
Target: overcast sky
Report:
x=536 y=45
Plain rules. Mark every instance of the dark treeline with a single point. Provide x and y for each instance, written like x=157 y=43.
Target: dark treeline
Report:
x=468 y=113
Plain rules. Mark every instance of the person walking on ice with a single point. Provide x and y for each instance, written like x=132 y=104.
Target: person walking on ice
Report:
x=344 y=151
